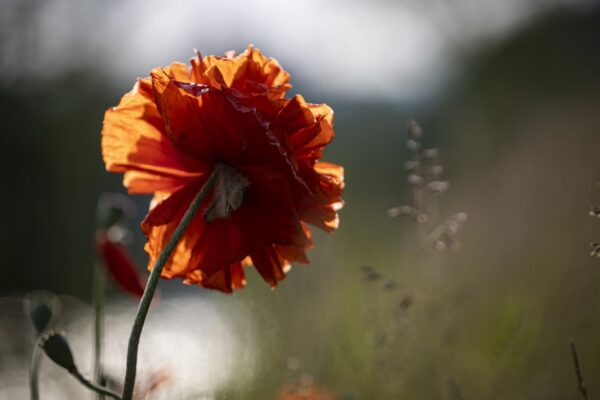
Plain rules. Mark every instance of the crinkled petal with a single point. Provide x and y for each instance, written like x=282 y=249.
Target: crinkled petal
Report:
x=293 y=253
x=331 y=181
x=308 y=127
x=166 y=209
x=140 y=182
x=220 y=245
x=225 y=279
x=250 y=73
x=184 y=116
x=178 y=264
x=210 y=125
x=268 y=213
x=133 y=140
x=324 y=217
x=267 y=216
x=270 y=264
x=313 y=142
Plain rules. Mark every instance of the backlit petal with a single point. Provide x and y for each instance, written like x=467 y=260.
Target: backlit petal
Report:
x=250 y=73
x=133 y=140
x=269 y=264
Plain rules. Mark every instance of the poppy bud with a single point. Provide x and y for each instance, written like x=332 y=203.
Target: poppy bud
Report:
x=57 y=348
x=41 y=316
x=42 y=307
x=112 y=209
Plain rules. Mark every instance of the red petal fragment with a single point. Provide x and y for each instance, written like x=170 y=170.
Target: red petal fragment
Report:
x=270 y=265
x=164 y=211
x=119 y=265
x=133 y=139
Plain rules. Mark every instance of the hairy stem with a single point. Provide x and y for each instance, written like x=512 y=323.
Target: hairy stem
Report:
x=96 y=388
x=99 y=296
x=142 y=312
x=34 y=368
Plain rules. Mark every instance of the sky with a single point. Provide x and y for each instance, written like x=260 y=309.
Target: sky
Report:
x=378 y=49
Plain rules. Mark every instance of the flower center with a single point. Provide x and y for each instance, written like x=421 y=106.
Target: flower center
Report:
x=228 y=193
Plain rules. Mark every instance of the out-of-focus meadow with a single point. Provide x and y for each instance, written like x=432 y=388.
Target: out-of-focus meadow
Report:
x=508 y=93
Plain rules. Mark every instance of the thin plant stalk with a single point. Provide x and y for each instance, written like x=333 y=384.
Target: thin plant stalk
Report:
x=42 y=311
x=96 y=388
x=99 y=297
x=34 y=370
x=152 y=283
x=580 y=381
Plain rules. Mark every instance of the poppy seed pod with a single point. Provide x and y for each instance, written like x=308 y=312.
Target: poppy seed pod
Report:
x=41 y=315
x=42 y=307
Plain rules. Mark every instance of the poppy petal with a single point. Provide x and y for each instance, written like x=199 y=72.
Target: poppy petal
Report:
x=164 y=210
x=193 y=120
x=270 y=265
x=140 y=182
x=324 y=217
x=250 y=73
x=119 y=265
x=133 y=140
x=159 y=235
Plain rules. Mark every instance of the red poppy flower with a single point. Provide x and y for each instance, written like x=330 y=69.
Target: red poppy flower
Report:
x=119 y=264
x=175 y=127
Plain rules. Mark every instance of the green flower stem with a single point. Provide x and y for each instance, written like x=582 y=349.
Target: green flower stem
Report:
x=34 y=368
x=99 y=297
x=96 y=388
x=142 y=312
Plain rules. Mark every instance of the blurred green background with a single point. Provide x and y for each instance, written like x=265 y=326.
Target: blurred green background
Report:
x=517 y=122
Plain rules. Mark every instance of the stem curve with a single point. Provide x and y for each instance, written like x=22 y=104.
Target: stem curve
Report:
x=144 y=306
